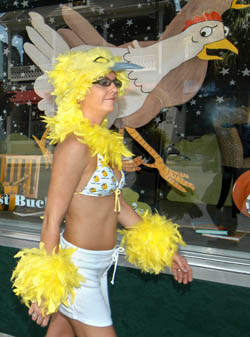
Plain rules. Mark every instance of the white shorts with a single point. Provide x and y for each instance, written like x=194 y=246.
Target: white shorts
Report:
x=91 y=305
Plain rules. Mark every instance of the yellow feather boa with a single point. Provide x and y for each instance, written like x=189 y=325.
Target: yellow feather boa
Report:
x=152 y=243
x=48 y=279
x=99 y=139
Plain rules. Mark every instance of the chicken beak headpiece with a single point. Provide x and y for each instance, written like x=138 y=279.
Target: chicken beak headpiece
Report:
x=222 y=44
x=238 y=6
x=75 y=72
x=72 y=77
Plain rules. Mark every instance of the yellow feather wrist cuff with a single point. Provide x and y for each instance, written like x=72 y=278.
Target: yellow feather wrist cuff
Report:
x=48 y=279
x=151 y=244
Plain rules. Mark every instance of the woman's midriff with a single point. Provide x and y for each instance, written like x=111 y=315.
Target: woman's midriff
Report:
x=91 y=222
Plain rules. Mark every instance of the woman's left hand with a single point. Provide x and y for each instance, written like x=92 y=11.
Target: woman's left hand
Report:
x=181 y=269
x=36 y=315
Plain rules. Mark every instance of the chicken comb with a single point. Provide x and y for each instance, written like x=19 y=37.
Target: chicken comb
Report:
x=213 y=16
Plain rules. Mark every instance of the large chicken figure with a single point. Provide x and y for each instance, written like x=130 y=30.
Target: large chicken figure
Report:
x=173 y=71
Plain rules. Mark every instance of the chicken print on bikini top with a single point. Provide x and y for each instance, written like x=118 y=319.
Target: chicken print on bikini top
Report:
x=103 y=181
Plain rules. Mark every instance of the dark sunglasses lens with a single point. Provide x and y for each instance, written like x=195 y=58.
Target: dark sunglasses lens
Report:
x=105 y=82
x=117 y=83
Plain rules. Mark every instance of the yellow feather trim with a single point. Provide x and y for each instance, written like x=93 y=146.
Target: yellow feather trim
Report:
x=72 y=77
x=48 y=279
x=151 y=244
x=99 y=139
x=75 y=72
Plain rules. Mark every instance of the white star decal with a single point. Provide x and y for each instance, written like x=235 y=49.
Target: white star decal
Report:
x=23 y=88
x=13 y=88
x=245 y=72
x=15 y=3
x=220 y=99
x=129 y=22
x=32 y=67
x=51 y=20
x=139 y=5
x=193 y=102
x=101 y=10
x=6 y=51
x=198 y=112
x=232 y=82
x=106 y=25
x=224 y=71
x=29 y=103
x=25 y=3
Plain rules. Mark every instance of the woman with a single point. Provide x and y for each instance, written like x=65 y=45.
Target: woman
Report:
x=85 y=188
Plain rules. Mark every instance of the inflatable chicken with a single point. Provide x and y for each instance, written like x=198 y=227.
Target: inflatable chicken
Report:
x=173 y=71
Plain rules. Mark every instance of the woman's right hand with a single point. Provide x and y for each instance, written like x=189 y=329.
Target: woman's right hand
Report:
x=36 y=315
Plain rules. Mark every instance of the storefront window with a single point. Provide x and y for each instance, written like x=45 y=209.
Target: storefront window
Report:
x=195 y=119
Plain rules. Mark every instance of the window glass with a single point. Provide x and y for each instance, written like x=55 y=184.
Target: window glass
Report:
x=195 y=119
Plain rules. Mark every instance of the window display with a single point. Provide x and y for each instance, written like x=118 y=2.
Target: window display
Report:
x=185 y=117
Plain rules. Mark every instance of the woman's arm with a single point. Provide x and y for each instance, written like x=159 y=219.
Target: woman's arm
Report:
x=128 y=218
x=70 y=160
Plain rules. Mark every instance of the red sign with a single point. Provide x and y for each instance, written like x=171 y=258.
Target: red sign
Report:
x=24 y=97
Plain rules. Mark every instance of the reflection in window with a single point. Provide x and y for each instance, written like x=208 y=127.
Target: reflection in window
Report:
x=17 y=50
x=187 y=137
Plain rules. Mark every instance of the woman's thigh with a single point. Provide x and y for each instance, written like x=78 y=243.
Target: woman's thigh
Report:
x=60 y=326
x=84 y=330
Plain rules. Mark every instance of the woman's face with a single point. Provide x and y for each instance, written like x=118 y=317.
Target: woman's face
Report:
x=101 y=99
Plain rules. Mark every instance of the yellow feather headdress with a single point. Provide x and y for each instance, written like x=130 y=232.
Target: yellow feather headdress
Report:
x=72 y=76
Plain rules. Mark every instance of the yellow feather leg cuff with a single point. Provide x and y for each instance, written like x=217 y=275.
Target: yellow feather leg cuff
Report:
x=152 y=243
x=48 y=279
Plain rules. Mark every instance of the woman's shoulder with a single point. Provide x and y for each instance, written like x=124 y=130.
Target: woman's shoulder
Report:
x=73 y=145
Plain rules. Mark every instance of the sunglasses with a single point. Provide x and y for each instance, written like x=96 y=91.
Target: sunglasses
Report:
x=106 y=82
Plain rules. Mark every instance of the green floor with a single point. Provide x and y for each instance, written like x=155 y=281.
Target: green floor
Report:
x=147 y=306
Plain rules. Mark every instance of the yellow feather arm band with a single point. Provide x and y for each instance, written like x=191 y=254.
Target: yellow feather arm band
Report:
x=48 y=279
x=152 y=243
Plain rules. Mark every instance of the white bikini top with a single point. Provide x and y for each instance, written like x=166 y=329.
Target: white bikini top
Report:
x=104 y=182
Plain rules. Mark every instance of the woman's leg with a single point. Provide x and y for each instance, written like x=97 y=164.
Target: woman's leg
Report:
x=84 y=330
x=60 y=326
